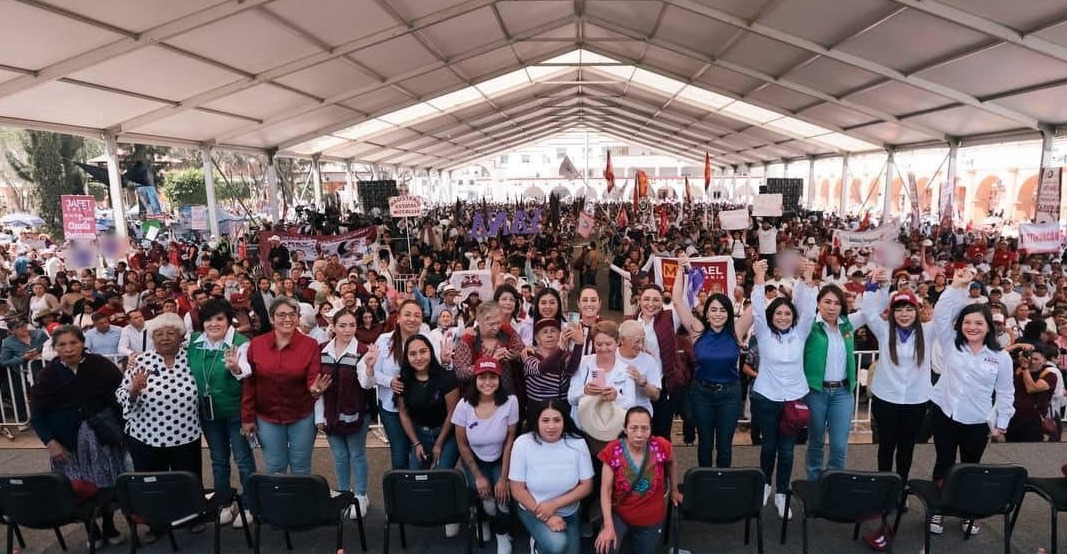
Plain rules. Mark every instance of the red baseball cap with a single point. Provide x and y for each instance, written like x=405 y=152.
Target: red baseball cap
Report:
x=906 y=297
x=487 y=365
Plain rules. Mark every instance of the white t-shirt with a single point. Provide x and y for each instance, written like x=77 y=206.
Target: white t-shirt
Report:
x=650 y=369
x=487 y=436
x=550 y=469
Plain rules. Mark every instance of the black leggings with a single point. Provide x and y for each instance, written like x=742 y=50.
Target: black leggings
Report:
x=898 y=429
x=951 y=436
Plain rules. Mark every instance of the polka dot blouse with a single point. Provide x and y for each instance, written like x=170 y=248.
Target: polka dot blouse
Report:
x=165 y=413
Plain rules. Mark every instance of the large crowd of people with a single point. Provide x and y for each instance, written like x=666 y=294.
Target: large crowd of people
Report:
x=548 y=404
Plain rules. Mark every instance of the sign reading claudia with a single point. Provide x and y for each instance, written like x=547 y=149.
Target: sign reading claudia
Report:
x=405 y=206
x=79 y=216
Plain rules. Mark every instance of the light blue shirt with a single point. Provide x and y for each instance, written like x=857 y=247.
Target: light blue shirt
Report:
x=105 y=344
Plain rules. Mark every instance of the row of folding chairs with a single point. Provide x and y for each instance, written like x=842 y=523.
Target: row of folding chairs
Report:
x=969 y=491
x=432 y=498
x=291 y=503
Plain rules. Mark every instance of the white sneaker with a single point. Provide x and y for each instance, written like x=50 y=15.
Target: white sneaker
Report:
x=503 y=544
x=975 y=527
x=226 y=515
x=766 y=493
x=779 y=503
x=451 y=530
x=237 y=523
x=937 y=524
x=364 y=504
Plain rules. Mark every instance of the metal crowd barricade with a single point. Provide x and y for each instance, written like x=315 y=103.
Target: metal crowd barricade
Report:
x=400 y=281
x=16 y=386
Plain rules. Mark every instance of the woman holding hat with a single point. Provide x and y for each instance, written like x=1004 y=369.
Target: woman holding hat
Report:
x=637 y=470
x=901 y=385
x=601 y=379
x=486 y=421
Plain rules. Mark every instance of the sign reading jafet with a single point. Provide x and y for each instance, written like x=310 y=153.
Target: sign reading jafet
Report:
x=405 y=206
x=1040 y=237
x=1048 y=195
x=79 y=216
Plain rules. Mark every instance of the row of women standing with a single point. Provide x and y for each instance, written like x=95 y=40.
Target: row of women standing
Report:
x=806 y=349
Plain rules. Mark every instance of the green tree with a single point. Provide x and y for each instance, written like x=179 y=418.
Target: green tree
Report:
x=184 y=187
x=48 y=163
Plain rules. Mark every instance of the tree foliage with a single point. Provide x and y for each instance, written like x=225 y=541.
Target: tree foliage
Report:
x=185 y=187
x=48 y=164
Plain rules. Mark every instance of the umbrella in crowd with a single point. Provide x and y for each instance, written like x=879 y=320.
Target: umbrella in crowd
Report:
x=21 y=219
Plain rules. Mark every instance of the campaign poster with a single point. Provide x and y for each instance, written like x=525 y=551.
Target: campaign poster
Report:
x=79 y=216
x=711 y=274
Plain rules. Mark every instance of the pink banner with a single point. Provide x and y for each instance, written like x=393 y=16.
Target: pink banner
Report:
x=79 y=217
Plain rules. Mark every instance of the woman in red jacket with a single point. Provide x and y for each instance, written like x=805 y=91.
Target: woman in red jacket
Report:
x=278 y=399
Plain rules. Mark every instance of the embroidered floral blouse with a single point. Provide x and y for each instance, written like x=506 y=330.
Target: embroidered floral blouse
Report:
x=638 y=488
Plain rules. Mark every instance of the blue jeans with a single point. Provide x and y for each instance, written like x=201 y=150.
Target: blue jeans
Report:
x=715 y=413
x=224 y=436
x=568 y=541
x=831 y=410
x=643 y=540
x=287 y=446
x=449 y=451
x=399 y=445
x=767 y=413
x=491 y=471
x=350 y=459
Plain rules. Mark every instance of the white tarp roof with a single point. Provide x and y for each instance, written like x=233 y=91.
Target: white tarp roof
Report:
x=438 y=83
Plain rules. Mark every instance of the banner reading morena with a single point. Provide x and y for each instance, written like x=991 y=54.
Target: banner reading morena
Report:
x=349 y=247
x=712 y=274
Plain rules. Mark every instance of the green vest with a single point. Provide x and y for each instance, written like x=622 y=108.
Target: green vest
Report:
x=815 y=353
x=209 y=370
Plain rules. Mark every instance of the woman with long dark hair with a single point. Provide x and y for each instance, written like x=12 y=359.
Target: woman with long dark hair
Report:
x=551 y=471
x=781 y=330
x=486 y=421
x=715 y=395
x=830 y=367
x=511 y=304
x=547 y=305
x=382 y=362
x=974 y=367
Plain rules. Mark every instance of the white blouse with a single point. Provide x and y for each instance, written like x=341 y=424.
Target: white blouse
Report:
x=907 y=381
x=165 y=413
x=781 y=356
x=969 y=379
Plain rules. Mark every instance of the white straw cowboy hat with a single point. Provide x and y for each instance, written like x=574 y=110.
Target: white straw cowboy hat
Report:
x=601 y=420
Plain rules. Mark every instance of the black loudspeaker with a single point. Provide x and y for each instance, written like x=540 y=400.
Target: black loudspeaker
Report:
x=790 y=189
x=376 y=194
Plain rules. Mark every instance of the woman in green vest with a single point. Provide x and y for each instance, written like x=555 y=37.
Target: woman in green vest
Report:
x=830 y=368
x=213 y=359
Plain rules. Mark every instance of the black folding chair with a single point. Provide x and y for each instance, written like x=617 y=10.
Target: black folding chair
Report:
x=300 y=503
x=844 y=496
x=172 y=500
x=1054 y=491
x=720 y=496
x=971 y=491
x=46 y=501
x=427 y=498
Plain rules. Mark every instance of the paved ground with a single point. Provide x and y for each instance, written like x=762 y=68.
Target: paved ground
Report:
x=1032 y=531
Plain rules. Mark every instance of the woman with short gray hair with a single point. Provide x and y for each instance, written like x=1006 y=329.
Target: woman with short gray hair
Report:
x=158 y=396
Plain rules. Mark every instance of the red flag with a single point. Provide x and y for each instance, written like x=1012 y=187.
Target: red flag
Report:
x=688 y=195
x=866 y=222
x=609 y=174
x=707 y=171
x=622 y=221
x=640 y=187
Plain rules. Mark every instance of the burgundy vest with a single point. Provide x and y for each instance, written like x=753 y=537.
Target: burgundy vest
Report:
x=676 y=373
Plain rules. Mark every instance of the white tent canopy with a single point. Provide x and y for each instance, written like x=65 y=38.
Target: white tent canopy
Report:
x=439 y=84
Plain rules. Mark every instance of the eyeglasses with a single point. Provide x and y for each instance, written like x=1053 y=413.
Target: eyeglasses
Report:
x=285 y=315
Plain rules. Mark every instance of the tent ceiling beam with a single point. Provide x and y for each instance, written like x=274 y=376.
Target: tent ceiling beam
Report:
x=124 y=45
x=269 y=76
